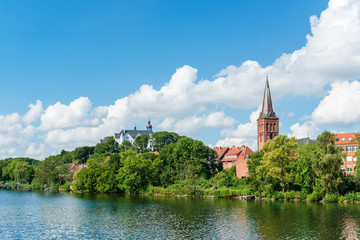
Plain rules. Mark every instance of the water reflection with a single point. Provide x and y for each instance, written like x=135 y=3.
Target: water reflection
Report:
x=39 y=215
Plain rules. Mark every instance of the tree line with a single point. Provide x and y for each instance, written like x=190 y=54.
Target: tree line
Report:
x=176 y=164
x=312 y=170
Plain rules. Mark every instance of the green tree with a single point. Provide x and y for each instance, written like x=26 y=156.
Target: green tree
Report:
x=3 y=164
x=23 y=172
x=125 y=146
x=8 y=171
x=47 y=173
x=99 y=175
x=278 y=155
x=65 y=156
x=82 y=154
x=109 y=146
x=134 y=176
x=189 y=159
x=328 y=161
x=357 y=154
x=229 y=179
x=305 y=175
x=160 y=139
x=259 y=178
x=141 y=143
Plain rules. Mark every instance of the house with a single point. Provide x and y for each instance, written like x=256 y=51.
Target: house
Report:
x=235 y=156
x=131 y=135
x=345 y=140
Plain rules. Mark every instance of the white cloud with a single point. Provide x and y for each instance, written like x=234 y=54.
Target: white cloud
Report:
x=191 y=124
x=246 y=130
x=307 y=129
x=63 y=116
x=340 y=106
x=36 y=151
x=229 y=142
x=34 y=113
x=331 y=56
x=244 y=133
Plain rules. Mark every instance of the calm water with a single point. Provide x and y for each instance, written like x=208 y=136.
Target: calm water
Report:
x=44 y=215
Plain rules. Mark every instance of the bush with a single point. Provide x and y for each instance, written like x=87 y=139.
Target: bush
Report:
x=352 y=197
x=278 y=195
x=331 y=198
x=54 y=185
x=289 y=195
x=65 y=186
x=246 y=191
x=304 y=193
x=37 y=185
x=314 y=196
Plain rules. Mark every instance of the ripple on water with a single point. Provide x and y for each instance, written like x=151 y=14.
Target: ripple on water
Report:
x=30 y=215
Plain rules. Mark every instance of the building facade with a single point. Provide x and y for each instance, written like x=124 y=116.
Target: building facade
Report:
x=345 y=140
x=131 y=135
x=235 y=156
x=268 y=122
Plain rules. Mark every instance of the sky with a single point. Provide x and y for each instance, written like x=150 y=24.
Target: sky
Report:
x=73 y=72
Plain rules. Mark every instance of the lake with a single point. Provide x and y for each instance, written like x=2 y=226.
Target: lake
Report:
x=51 y=215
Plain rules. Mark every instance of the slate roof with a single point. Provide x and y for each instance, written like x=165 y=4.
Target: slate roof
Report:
x=267 y=107
x=133 y=133
x=306 y=140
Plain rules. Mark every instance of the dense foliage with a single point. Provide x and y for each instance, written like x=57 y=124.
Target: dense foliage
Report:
x=311 y=169
x=169 y=164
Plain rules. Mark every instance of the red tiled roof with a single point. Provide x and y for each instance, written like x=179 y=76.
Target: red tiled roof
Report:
x=240 y=153
x=348 y=137
x=221 y=151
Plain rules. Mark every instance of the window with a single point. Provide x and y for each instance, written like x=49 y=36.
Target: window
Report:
x=336 y=140
x=355 y=148
x=348 y=148
x=343 y=139
x=349 y=169
x=232 y=163
x=354 y=159
x=348 y=158
x=225 y=163
x=349 y=139
x=342 y=168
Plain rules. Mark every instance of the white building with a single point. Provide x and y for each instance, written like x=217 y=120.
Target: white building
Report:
x=131 y=135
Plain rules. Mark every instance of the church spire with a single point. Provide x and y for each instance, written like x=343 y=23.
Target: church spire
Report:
x=267 y=107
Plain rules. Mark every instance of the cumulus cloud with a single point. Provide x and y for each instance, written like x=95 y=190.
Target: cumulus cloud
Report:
x=340 y=106
x=229 y=142
x=63 y=116
x=34 y=113
x=190 y=125
x=244 y=133
x=307 y=129
x=331 y=57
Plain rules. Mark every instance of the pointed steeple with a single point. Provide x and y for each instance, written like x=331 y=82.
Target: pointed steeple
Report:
x=267 y=107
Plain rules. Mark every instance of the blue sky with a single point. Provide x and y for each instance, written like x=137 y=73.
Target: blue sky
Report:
x=87 y=67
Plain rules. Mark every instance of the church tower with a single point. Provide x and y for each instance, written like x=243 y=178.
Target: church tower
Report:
x=268 y=122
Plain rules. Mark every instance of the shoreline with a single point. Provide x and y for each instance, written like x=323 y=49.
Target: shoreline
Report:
x=243 y=198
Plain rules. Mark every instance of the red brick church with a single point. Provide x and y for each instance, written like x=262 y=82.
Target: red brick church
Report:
x=267 y=128
x=268 y=122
